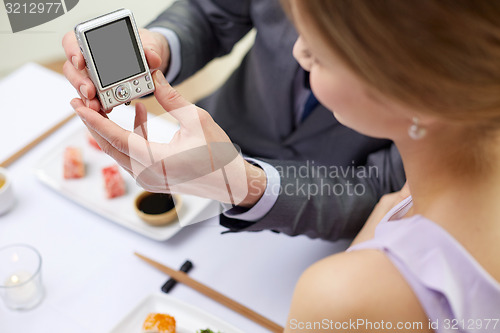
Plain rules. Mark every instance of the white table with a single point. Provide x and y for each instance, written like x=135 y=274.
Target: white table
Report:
x=92 y=278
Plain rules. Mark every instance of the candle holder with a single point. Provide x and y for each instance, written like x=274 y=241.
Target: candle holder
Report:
x=21 y=277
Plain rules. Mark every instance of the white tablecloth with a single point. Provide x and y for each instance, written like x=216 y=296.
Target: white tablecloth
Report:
x=93 y=280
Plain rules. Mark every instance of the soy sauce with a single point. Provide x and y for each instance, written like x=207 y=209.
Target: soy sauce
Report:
x=156 y=203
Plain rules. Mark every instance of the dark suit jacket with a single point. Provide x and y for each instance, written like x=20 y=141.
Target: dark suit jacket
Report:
x=255 y=108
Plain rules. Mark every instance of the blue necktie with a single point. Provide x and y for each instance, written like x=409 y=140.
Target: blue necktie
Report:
x=311 y=103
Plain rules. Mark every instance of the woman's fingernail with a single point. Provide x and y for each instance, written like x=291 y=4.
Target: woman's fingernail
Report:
x=83 y=90
x=87 y=103
x=159 y=78
x=73 y=104
x=74 y=60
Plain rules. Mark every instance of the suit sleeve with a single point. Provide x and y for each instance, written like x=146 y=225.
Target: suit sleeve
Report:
x=206 y=29
x=330 y=202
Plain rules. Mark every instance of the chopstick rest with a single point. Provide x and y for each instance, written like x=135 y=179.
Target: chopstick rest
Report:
x=186 y=267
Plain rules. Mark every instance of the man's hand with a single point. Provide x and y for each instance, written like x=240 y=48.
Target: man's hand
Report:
x=199 y=160
x=156 y=50
x=385 y=204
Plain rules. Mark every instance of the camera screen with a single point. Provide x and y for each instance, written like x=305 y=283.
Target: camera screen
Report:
x=115 y=52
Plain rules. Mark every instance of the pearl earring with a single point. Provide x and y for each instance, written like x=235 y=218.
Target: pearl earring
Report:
x=416 y=132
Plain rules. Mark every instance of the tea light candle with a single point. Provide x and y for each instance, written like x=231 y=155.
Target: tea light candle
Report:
x=20 y=291
x=21 y=285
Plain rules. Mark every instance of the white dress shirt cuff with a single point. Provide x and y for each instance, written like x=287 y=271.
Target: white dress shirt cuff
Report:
x=175 y=52
x=266 y=202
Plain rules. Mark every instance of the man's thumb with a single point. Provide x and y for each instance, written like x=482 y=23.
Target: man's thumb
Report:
x=153 y=58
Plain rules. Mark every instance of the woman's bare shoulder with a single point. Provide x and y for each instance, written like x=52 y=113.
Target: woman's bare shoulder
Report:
x=359 y=291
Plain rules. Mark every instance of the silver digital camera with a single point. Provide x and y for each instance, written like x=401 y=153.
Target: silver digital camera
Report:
x=114 y=58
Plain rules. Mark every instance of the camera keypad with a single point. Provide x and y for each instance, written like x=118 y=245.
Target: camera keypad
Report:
x=126 y=91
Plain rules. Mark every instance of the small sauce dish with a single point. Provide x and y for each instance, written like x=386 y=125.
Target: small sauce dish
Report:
x=7 y=199
x=157 y=209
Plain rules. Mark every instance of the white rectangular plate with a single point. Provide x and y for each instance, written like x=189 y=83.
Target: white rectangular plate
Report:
x=188 y=318
x=89 y=191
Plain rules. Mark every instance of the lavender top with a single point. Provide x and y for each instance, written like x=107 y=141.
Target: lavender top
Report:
x=455 y=291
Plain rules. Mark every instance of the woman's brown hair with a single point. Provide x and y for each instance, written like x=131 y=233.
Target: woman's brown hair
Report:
x=441 y=56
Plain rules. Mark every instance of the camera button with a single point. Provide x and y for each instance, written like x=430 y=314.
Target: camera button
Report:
x=138 y=90
x=122 y=93
x=136 y=82
x=110 y=101
x=150 y=86
x=147 y=78
x=108 y=93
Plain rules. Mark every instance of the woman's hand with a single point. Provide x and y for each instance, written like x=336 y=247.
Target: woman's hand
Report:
x=155 y=47
x=199 y=160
